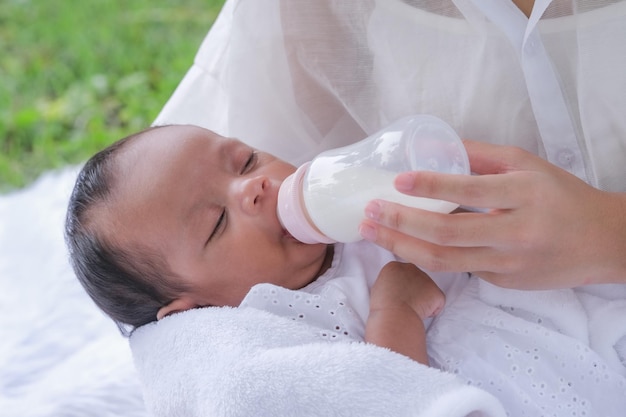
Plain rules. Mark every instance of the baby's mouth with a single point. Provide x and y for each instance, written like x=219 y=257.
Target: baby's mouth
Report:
x=289 y=236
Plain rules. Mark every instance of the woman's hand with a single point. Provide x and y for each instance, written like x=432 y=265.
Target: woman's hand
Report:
x=543 y=227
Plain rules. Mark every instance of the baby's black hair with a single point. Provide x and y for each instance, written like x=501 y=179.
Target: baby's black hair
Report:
x=129 y=284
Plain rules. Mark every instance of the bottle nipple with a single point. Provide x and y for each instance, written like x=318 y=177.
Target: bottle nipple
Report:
x=292 y=212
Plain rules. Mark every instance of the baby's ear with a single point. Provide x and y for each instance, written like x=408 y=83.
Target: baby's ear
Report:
x=176 y=306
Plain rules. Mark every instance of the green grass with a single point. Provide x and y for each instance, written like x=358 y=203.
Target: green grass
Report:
x=77 y=75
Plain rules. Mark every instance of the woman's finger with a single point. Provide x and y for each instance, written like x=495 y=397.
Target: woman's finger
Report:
x=460 y=229
x=484 y=191
x=433 y=257
x=487 y=158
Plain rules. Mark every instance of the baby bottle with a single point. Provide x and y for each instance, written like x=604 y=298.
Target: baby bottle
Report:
x=324 y=200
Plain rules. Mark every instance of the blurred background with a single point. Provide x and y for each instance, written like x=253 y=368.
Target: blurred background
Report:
x=77 y=75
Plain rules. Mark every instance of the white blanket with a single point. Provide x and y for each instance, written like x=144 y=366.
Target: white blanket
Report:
x=556 y=353
x=246 y=362
x=59 y=355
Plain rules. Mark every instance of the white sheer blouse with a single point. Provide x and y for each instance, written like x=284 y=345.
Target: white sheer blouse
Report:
x=295 y=77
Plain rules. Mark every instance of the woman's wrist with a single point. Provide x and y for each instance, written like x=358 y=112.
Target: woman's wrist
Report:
x=611 y=254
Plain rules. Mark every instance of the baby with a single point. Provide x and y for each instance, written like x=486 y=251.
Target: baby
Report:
x=177 y=217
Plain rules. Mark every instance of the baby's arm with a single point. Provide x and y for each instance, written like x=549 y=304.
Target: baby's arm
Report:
x=401 y=298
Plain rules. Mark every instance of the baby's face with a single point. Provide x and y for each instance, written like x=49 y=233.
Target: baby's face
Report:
x=208 y=205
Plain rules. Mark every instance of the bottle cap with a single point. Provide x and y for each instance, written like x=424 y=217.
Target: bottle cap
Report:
x=292 y=213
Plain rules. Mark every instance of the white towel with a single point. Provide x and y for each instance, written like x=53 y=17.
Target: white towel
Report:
x=246 y=362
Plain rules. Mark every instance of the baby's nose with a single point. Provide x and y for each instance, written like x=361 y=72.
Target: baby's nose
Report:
x=251 y=192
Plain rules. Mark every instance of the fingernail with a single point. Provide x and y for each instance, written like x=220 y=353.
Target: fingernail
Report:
x=367 y=231
x=373 y=210
x=404 y=182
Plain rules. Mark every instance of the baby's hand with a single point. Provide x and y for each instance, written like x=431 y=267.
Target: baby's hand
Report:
x=403 y=283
